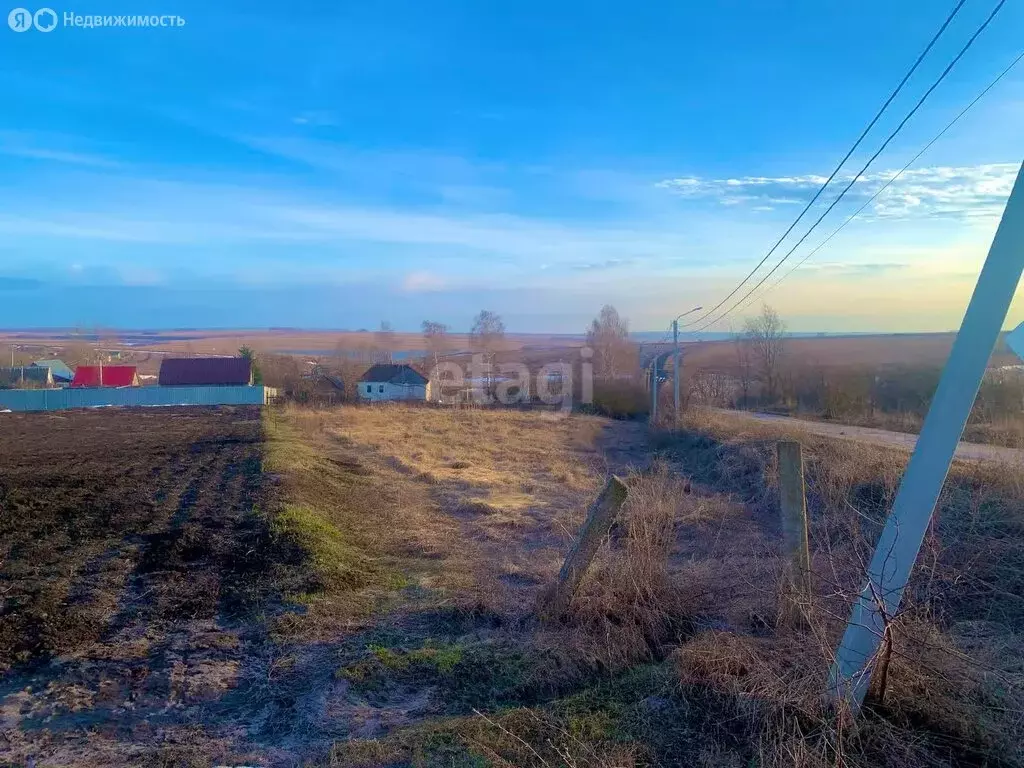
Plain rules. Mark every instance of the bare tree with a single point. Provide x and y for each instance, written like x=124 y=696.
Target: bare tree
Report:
x=485 y=337
x=281 y=372
x=744 y=367
x=608 y=336
x=77 y=353
x=708 y=388
x=343 y=349
x=435 y=336
x=384 y=342
x=766 y=334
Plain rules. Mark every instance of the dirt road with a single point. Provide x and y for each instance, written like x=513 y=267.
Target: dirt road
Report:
x=973 y=451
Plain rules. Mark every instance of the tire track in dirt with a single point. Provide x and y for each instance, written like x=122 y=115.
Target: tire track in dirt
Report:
x=165 y=650
x=172 y=499
x=111 y=572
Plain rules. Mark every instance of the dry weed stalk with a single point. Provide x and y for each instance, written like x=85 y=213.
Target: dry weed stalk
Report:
x=630 y=603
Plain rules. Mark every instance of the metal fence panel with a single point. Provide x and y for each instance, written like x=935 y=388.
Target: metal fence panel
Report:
x=98 y=397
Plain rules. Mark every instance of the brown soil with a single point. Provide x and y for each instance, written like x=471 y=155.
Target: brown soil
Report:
x=126 y=539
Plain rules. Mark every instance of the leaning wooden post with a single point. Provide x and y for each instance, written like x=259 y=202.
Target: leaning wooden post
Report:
x=793 y=505
x=600 y=518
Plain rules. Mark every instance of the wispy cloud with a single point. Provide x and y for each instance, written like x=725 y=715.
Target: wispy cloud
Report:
x=605 y=265
x=423 y=282
x=316 y=118
x=128 y=211
x=854 y=269
x=937 y=191
x=49 y=147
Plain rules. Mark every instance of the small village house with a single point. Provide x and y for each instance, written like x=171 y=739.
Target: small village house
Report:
x=105 y=376
x=321 y=387
x=390 y=381
x=206 y=372
x=59 y=370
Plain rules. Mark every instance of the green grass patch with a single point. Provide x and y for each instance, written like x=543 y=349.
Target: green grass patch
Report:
x=443 y=659
x=467 y=675
x=434 y=663
x=637 y=718
x=324 y=518
x=338 y=564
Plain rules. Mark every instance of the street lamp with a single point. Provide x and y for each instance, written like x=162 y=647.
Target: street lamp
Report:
x=675 y=323
x=676 y=359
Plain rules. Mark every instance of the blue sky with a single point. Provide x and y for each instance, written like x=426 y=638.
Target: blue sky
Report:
x=339 y=164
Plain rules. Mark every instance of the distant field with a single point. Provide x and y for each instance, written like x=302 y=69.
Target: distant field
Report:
x=930 y=349
x=280 y=341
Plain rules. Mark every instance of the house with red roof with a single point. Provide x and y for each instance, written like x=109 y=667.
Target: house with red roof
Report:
x=105 y=376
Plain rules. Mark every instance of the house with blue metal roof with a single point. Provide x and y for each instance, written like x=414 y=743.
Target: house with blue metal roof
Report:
x=61 y=371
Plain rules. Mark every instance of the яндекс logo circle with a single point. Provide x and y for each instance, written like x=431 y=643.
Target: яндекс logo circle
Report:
x=20 y=19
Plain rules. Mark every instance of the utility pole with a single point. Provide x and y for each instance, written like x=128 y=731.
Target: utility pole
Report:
x=654 y=390
x=675 y=370
x=677 y=360
x=912 y=510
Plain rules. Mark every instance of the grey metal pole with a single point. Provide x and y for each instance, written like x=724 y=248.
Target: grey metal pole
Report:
x=675 y=369
x=912 y=509
x=654 y=390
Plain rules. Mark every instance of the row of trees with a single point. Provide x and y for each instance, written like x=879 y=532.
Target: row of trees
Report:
x=615 y=358
x=381 y=345
x=759 y=349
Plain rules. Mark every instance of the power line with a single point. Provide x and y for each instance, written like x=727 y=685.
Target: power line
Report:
x=835 y=170
x=885 y=186
x=854 y=180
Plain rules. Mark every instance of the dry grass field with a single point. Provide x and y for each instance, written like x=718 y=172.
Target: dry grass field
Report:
x=909 y=350
x=360 y=587
x=214 y=341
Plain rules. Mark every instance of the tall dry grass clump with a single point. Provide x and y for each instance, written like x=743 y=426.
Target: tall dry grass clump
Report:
x=631 y=604
x=954 y=690
x=620 y=399
x=939 y=709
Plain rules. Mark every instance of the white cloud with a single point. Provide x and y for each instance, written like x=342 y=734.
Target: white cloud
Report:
x=316 y=118
x=141 y=211
x=423 y=282
x=938 y=191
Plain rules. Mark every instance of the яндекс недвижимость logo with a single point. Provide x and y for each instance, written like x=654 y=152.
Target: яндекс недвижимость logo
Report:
x=46 y=20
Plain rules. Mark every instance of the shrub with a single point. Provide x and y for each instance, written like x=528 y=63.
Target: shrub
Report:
x=620 y=399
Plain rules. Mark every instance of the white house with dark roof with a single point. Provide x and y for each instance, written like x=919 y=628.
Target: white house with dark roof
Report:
x=392 y=381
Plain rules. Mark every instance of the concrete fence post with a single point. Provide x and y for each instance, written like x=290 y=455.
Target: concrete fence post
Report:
x=600 y=518
x=793 y=506
x=900 y=541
